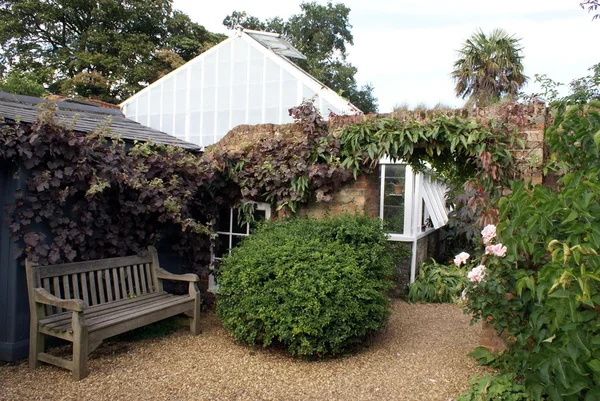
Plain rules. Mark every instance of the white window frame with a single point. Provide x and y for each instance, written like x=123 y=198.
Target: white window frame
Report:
x=212 y=286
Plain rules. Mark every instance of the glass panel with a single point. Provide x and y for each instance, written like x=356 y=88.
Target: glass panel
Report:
x=155 y=122
x=272 y=95
x=222 y=123
x=223 y=102
x=167 y=123
x=239 y=97
x=222 y=245
x=225 y=52
x=240 y=73
x=236 y=239
x=237 y=228
x=155 y=95
x=195 y=124
x=255 y=97
x=180 y=125
x=223 y=220
x=272 y=72
x=224 y=74
x=290 y=97
x=393 y=201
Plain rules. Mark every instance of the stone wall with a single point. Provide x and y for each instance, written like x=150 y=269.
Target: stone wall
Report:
x=360 y=196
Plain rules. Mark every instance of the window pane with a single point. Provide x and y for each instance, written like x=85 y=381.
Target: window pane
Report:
x=223 y=221
x=258 y=216
x=237 y=228
x=222 y=246
x=393 y=201
x=236 y=239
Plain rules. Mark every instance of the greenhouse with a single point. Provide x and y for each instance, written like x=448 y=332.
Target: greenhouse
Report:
x=246 y=79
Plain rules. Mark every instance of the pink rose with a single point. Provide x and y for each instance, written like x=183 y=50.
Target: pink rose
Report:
x=488 y=233
x=476 y=275
x=461 y=258
x=496 y=250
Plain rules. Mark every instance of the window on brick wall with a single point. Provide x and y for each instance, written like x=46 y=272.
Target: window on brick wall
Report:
x=230 y=233
x=393 y=179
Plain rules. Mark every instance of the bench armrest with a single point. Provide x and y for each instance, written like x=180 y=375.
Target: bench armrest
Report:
x=162 y=274
x=41 y=296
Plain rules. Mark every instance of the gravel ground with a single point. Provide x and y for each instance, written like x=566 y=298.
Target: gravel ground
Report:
x=421 y=356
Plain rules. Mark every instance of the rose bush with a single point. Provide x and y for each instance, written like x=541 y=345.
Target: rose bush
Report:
x=541 y=284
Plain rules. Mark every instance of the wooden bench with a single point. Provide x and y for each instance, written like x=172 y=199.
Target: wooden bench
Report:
x=87 y=302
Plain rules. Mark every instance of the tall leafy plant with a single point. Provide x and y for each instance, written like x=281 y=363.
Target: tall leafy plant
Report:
x=545 y=293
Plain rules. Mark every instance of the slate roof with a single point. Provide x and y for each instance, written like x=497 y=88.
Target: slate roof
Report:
x=85 y=118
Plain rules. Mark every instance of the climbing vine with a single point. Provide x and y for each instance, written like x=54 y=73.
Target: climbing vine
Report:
x=310 y=167
x=87 y=197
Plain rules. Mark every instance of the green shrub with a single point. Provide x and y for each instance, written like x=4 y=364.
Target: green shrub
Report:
x=437 y=283
x=314 y=286
x=545 y=293
x=502 y=387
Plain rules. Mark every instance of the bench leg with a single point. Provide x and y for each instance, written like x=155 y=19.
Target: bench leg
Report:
x=80 y=347
x=36 y=345
x=36 y=339
x=195 y=320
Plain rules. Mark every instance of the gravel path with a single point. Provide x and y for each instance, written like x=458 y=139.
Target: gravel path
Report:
x=421 y=356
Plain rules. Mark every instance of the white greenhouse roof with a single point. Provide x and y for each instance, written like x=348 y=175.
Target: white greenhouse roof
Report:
x=277 y=44
x=246 y=79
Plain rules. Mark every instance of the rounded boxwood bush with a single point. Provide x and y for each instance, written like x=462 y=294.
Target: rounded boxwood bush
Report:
x=314 y=286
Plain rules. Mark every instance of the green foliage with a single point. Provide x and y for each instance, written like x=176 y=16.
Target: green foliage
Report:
x=22 y=84
x=545 y=294
x=502 y=387
x=291 y=171
x=97 y=198
x=322 y=34
x=587 y=88
x=592 y=6
x=315 y=286
x=437 y=283
x=581 y=90
x=106 y=49
x=489 y=67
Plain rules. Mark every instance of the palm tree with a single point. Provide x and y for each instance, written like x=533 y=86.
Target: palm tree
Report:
x=489 y=67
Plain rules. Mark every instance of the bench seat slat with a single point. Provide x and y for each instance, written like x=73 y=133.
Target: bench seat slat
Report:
x=124 y=313
x=91 y=311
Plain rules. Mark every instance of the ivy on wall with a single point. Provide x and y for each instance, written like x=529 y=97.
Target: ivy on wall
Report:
x=88 y=198
x=99 y=198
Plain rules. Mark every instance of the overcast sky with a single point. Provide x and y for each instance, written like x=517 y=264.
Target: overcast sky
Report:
x=406 y=48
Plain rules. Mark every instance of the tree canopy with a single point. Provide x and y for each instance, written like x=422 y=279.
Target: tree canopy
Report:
x=489 y=67
x=322 y=33
x=104 y=49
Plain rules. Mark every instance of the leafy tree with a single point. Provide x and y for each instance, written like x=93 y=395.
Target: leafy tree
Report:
x=581 y=90
x=586 y=88
x=592 y=6
x=106 y=49
x=322 y=34
x=22 y=84
x=489 y=67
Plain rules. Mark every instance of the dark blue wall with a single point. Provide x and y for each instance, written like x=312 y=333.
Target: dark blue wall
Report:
x=14 y=309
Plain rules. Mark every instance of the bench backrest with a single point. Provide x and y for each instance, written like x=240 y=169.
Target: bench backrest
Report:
x=97 y=281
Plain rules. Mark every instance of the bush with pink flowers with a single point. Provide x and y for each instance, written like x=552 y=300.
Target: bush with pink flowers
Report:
x=540 y=287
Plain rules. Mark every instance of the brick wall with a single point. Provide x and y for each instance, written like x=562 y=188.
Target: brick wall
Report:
x=360 y=196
